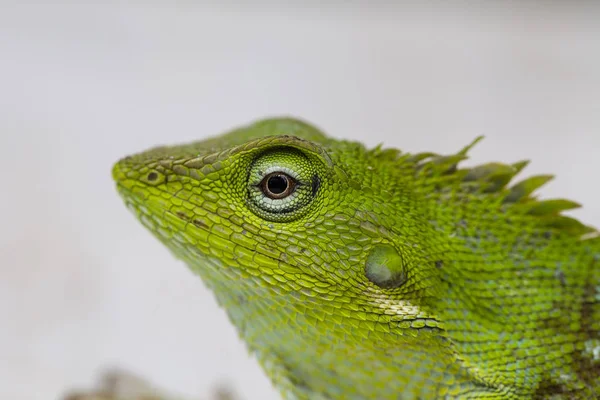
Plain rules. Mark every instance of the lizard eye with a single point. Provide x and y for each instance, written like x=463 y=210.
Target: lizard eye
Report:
x=282 y=182
x=278 y=185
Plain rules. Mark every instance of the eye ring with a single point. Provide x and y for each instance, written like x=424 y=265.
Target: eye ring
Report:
x=278 y=185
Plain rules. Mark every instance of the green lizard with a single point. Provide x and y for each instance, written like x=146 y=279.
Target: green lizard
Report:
x=355 y=273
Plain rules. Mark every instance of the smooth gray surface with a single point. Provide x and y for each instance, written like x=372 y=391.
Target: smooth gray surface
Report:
x=84 y=287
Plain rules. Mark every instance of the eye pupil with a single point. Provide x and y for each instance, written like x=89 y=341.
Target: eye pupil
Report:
x=277 y=184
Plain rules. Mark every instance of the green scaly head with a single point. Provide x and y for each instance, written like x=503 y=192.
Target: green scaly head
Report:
x=360 y=274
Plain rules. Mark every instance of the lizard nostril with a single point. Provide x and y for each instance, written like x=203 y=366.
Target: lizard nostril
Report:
x=153 y=178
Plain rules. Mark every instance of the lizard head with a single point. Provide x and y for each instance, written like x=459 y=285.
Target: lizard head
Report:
x=276 y=214
x=323 y=251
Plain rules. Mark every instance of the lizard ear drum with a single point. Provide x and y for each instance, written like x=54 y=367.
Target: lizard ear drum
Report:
x=281 y=184
x=385 y=267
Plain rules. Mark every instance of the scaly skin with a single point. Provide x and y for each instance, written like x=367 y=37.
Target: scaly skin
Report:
x=381 y=274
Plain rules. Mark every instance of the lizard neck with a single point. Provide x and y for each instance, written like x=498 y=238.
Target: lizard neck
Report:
x=308 y=351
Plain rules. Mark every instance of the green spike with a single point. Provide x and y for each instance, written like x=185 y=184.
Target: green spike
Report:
x=389 y=154
x=567 y=224
x=520 y=165
x=494 y=176
x=468 y=147
x=523 y=189
x=448 y=164
x=377 y=148
x=551 y=207
x=419 y=157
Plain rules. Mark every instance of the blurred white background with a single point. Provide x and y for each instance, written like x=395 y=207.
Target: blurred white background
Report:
x=84 y=287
